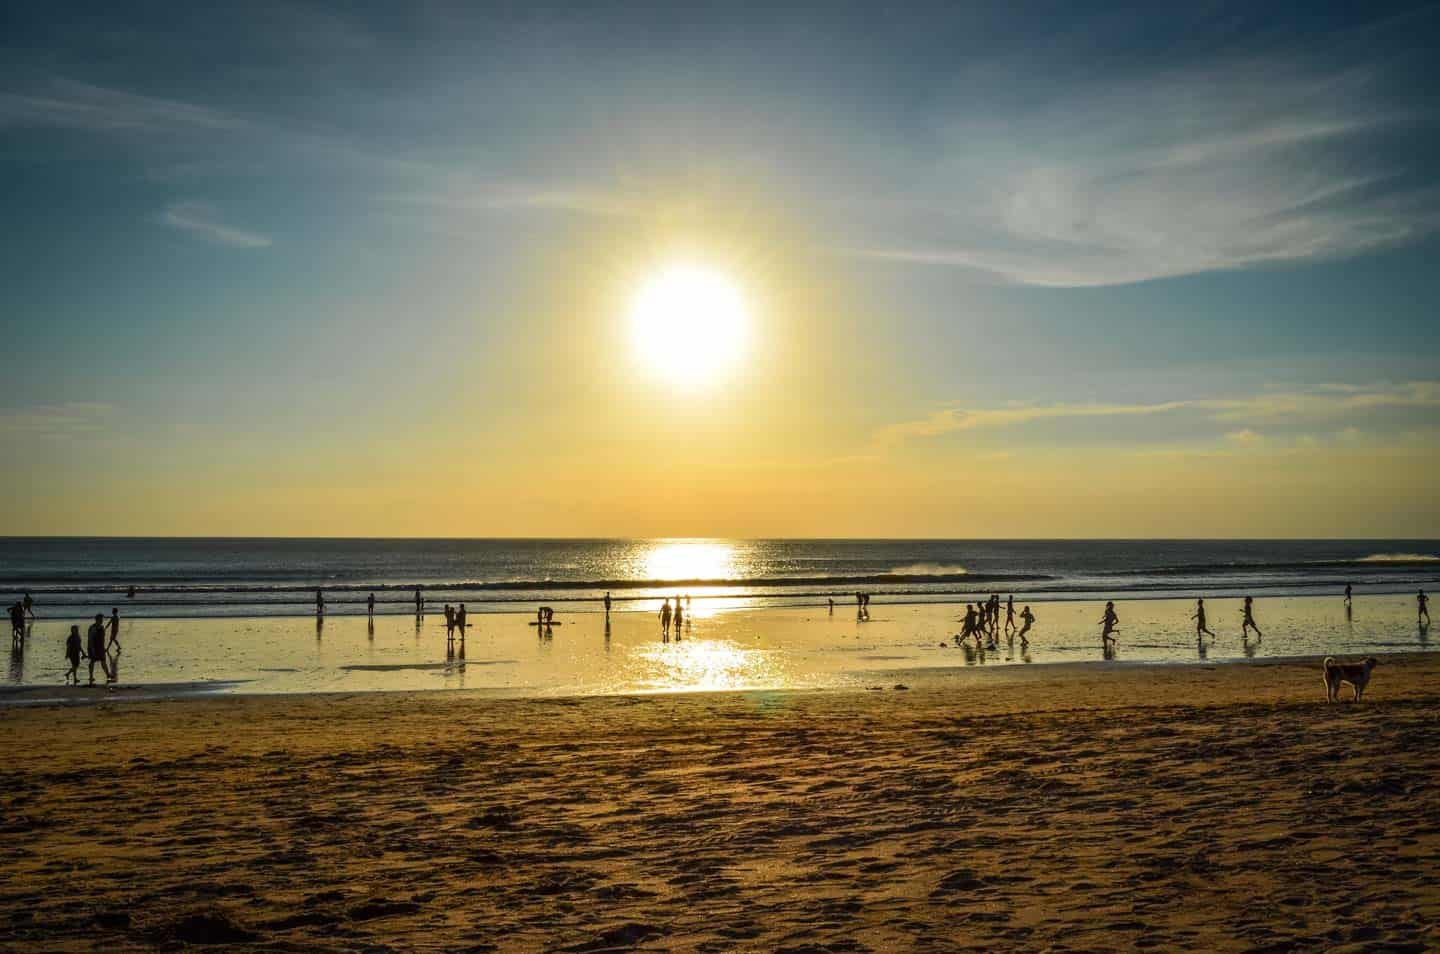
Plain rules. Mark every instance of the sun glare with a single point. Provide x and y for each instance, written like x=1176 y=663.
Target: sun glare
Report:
x=689 y=323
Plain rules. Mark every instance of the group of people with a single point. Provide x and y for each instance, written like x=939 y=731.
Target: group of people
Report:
x=96 y=648
x=667 y=615
x=982 y=622
x=19 y=611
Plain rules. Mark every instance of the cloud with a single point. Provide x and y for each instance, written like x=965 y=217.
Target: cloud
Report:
x=1324 y=402
x=69 y=420
x=199 y=220
x=69 y=104
x=1201 y=169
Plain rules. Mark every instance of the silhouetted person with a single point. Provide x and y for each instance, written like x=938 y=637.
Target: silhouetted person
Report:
x=95 y=648
x=73 y=654
x=1010 y=613
x=969 y=628
x=1347 y=595
x=1422 y=607
x=449 y=621
x=832 y=606
x=1109 y=623
x=419 y=603
x=1029 y=619
x=679 y=616
x=130 y=593
x=17 y=622
x=29 y=605
x=319 y=603
x=114 y=631
x=1248 y=622
x=370 y=606
x=607 y=603
x=460 y=624
x=665 y=618
x=1199 y=618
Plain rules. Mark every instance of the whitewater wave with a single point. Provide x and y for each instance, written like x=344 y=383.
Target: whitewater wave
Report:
x=929 y=569
x=1400 y=558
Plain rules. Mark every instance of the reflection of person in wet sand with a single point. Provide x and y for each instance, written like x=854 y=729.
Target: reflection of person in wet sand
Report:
x=665 y=618
x=1422 y=607
x=1109 y=624
x=1028 y=618
x=1248 y=623
x=72 y=655
x=1199 y=617
x=95 y=648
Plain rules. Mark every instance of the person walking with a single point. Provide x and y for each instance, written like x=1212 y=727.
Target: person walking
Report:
x=114 y=633
x=665 y=619
x=370 y=606
x=1028 y=618
x=1199 y=618
x=1422 y=607
x=95 y=648
x=1248 y=622
x=72 y=655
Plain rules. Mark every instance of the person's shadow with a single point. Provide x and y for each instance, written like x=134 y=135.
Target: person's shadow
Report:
x=17 y=662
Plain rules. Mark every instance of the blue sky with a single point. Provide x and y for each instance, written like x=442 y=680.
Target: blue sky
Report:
x=287 y=251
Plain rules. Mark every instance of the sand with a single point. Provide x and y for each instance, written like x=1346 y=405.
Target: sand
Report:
x=1216 y=808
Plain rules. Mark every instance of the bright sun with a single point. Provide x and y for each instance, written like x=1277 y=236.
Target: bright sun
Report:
x=689 y=323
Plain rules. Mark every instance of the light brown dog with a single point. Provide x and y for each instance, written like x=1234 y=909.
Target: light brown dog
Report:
x=1338 y=674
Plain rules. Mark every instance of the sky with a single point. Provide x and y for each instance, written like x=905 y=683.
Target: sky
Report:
x=1008 y=270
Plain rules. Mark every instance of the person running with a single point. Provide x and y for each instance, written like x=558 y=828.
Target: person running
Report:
x=114 y=631
x=1109 y=624
x=1422 y=607
x=1248 y=623
x=29 y=605
x=1199 y=618
x=319 y=603
x=665 y=618
x=460 y=623
x=72 y=655
x=970 y=627
x=607 y=603
x=1029 y=619
x=370 y=605
x=95 y=648
x=449 y=621
x=1010 y=613
x=419 y=603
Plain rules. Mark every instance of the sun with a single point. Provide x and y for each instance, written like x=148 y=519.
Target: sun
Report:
x=689 y=323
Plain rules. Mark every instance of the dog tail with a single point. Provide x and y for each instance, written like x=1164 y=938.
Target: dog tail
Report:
x=1329 y=663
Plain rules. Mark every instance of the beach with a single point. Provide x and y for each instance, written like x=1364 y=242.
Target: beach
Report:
x=1066 y=807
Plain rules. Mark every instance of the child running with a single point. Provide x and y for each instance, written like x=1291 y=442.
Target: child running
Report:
x=1199 y=618
x=1109 y=624
x=1248 y=623
x=1029 y=620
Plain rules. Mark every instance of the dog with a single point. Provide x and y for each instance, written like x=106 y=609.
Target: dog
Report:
x=1356 y=674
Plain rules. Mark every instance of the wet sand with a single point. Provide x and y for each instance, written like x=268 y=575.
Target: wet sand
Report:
x=1217 y=808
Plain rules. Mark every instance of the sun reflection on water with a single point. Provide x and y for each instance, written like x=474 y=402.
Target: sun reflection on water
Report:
x=690 y=560
x=708 y=664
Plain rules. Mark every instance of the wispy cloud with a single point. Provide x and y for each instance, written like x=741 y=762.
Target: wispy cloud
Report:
x=1197 y=170
x=69 y=104
x=200 y=220
x=69 y=420
x=1320 y=403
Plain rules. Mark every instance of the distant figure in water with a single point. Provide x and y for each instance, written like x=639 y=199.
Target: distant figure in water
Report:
x=419 y=603
x=1248 y=623
x=1109 y=623
x=449 y=621
x=1422 y=607
x=72 y=655
x=1029 y=620
x=544 y=616
x=665 y=618
x=29 y=605
x=114 y=630
x=370 y=605
x=319 y=603
x=95 y=648
x=607 y=604
x=1010 y=613
x=1199 y=618
x=460 y=624
x=832 y=606
x=130 y=593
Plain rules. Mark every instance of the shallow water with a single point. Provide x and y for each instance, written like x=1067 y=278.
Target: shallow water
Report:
x=718 y=649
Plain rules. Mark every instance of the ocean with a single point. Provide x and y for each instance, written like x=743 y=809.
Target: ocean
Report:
x=197 y=577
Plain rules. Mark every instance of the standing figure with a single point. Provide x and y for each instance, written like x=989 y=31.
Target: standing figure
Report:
x=1029 y=620
x=1199 y=618
x=1422 y=607
x=319 y=603
x=95 y=648
x=832 y=605
x=1248 y=623
x=370 y=606
x=1010 y=613
x=1109 y=624
x=449 y=622
x=665 y=618
x=17 y=623
x=29 y=605
x=1348 y=589
x=419 y=603
x=72 y=655
x=460 y=623
x=679 y=616
x=607 y=604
